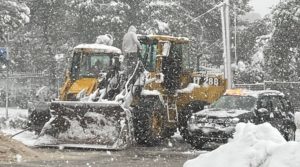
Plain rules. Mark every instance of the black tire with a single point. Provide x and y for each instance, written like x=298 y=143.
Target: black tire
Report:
x=37 y=120
x=197 y=143
x=289 y=133
x=184 y=116
x=148 y=121
x=168 y=132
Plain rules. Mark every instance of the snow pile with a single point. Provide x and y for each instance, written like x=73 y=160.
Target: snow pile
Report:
x=146 y=92
x=106 y=39
x=98 y=127
x=17 y=118
x=189 y=88
x=252 y=146
x=98 y=47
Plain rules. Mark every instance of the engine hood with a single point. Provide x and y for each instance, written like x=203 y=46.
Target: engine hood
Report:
x=222 y=113
x=87 y=84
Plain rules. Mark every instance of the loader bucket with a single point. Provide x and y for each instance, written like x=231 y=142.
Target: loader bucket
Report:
x=97 y=125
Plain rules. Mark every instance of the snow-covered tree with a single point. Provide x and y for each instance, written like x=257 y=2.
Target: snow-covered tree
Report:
x=249 y=38
x=57 y=26
x=252 y=69
x=13 y=15
x=251 y=44
x=282 y=55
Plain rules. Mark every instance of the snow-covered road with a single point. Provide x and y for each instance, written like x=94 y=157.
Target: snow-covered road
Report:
x=171 y=153
x=133 y=157
x=174 y=152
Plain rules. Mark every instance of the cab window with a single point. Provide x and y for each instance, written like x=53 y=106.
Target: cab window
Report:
x=148 y=56
x=75 y=66
x=264 y=102
x=285 y=103
x=277 y=105
x=90 y=64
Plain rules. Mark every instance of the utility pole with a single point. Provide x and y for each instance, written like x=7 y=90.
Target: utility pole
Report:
x=4 y=57
x=6 y=86
x=226 y=42
x=7 y=76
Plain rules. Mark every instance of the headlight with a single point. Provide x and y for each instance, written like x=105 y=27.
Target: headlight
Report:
x=235 y=120
x=192 y=119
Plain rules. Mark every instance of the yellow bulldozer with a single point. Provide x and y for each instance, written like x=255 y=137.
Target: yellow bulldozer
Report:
x=99 y=107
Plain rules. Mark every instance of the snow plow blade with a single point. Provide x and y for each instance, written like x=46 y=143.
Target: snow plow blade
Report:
x=94 y=125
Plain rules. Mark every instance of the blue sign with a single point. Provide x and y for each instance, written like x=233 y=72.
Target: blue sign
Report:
x=3 y=55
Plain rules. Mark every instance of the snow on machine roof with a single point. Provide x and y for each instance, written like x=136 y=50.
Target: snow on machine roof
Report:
x=97 y=48
x=245 y=92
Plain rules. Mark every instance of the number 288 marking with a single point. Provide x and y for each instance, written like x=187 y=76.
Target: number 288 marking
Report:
x=206 y=80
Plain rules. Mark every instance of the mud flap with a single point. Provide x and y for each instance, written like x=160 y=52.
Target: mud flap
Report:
x=95 y=125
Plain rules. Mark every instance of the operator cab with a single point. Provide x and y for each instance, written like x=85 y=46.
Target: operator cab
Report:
x=166 y=47
x=163 y=57
x=93 y=60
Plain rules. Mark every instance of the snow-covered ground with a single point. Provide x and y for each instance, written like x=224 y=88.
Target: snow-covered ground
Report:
x=297 y=121
x=252 y=146
x=13 y=112
x=16 y=120
x=27 y=138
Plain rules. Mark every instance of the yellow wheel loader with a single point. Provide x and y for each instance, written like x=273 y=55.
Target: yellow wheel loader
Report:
x=100 y=109
x=171 y=91
x=86 y=112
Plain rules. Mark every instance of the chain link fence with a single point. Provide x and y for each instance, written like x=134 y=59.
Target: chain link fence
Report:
x=22 y=87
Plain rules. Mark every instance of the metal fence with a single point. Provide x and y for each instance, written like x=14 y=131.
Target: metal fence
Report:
x=290 y=89
x=22 y=87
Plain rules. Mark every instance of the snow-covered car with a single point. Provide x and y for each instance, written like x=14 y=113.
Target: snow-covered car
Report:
x=217 y=122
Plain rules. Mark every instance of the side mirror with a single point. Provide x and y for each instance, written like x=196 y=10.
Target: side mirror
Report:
x=117 y=61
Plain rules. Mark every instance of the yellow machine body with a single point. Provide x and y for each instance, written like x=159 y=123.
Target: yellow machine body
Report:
x=192 y=88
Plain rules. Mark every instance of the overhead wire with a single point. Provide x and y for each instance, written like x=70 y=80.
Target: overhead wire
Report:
x=210 y=10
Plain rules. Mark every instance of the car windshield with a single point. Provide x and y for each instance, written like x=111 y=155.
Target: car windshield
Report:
x=90 y=64
x=235 y=102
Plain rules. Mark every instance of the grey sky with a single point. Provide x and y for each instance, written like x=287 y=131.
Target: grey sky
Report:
x=263 y=6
